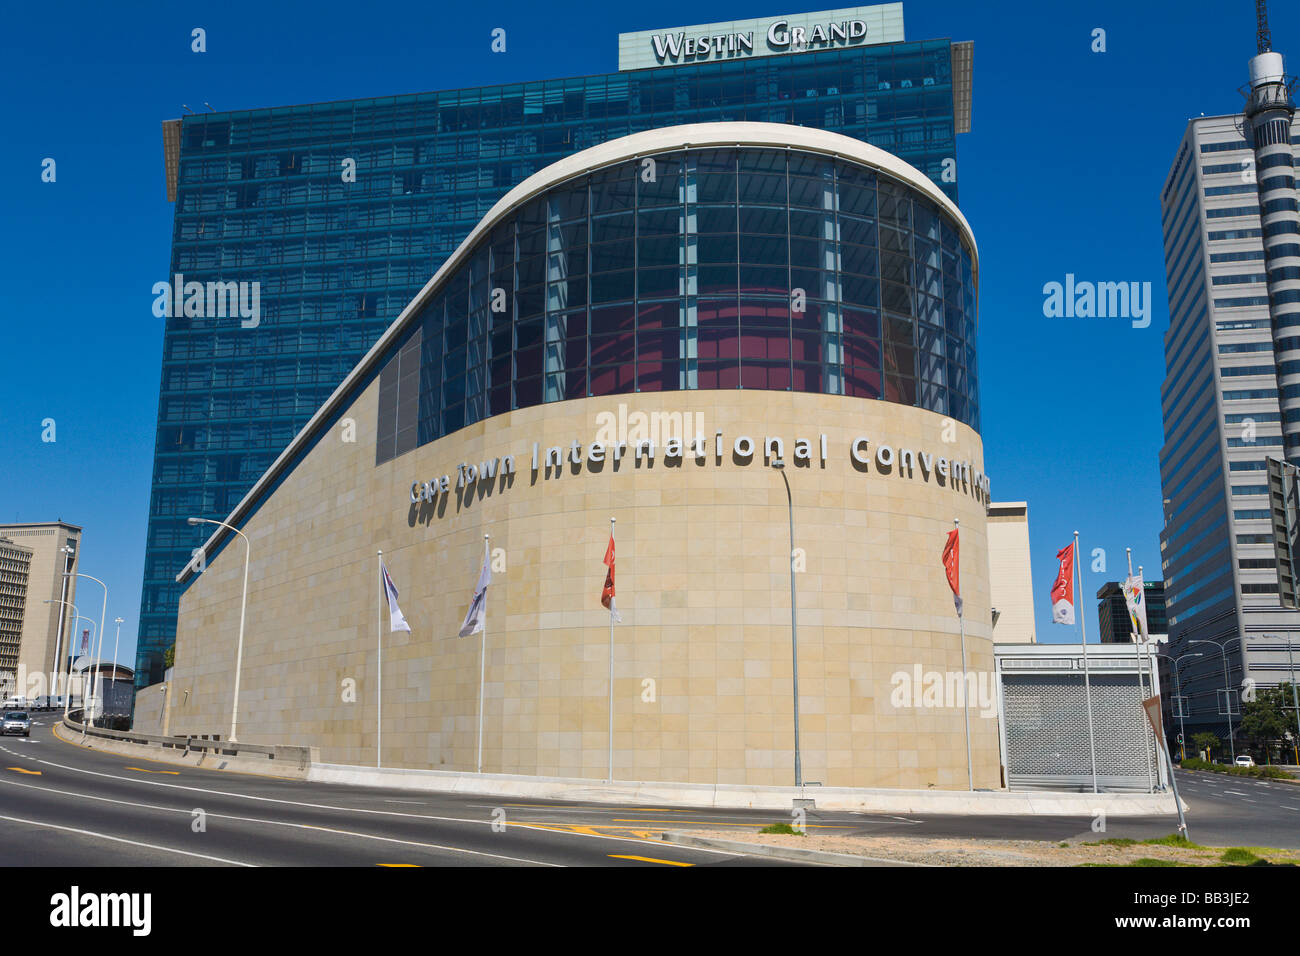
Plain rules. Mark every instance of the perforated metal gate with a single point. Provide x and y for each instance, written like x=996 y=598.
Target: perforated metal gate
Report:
x=1045 y=731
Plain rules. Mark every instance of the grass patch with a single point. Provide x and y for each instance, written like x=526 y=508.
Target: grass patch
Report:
x=1259 y=773
x=1239 y=855
x=782 y=828
x=1175 y=840
x=1152 y=861
x=1113 y=841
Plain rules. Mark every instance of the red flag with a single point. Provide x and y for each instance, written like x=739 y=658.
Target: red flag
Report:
x=1063 y=588
x=607 y=592
x=952 y=567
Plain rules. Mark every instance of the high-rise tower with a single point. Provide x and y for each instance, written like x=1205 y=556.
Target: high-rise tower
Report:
x=1268 y=114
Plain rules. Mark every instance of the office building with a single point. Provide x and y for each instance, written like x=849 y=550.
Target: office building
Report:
x=306 y=229
x=37 y=572
x=1231 y=240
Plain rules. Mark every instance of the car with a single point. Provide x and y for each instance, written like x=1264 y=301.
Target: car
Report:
x=16 y=723
x=1245 y=760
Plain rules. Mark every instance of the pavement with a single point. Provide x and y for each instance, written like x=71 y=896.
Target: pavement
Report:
x=62 y=804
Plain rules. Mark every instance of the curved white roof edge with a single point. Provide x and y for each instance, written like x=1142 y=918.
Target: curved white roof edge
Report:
x=609 y=153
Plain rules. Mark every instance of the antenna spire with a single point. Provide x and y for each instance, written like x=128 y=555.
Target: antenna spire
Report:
x=1263 y=38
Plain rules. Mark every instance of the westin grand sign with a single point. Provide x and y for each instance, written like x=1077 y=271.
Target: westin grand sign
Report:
x=811 y=32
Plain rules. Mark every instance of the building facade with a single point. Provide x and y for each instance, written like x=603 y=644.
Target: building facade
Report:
x=50 y=590
x=663 y=316
x=328 y=218
x=1113 y=622
x=15 y=568
x=1222 y=419
x=1010 y=575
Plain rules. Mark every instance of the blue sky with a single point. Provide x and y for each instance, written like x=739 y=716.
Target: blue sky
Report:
x=1061 y=174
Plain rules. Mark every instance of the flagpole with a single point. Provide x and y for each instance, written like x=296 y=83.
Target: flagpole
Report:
x=965 y=682
x=379 y=682
x=611 y=677
x=482 y=670
x=1137 y=653
x=1087 y=679
x=1150 y=682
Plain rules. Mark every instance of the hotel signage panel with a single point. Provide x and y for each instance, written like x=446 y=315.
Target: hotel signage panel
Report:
x=772 y=36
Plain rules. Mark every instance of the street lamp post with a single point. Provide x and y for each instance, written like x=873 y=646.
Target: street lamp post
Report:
x=117 y=642
x=243 y=604
x=67 y=684
x=1178 y=695
x=103 y=611
x=779 y=465
x=69 y=561
x=1227 y=689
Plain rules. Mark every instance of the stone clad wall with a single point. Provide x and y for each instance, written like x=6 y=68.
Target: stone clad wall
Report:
x=702 y=660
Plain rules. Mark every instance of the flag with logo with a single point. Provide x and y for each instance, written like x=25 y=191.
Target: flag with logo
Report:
x=85 y=641
x=607 y=592
x=396 y=620
x=1135 y=601
x=952 y=567
x=1063 y=588
x=476 y=616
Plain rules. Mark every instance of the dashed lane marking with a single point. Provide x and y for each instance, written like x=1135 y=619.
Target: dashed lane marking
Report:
x=174 y=773
x=34 y=773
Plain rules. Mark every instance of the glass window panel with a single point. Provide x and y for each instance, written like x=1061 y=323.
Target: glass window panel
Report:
x=758 y=220
x=659 y=283
x=763 y=189
x=659 y=376
x=612 y=349
x=611 y=319
x=764 y=250
x=608 y=228
x=609 y=256
x=713 y=219
x=663 y=187
x=812 y=193
x=612 y=286
x=658 y=222
x=659 y=251
x=612 y=379
x=715 y=187
x=717 y=249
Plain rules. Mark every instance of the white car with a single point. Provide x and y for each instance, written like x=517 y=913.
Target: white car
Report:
x=1245 y=760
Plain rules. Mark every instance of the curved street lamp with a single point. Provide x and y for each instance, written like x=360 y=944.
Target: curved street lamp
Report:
x=243 y=604
x=67 y=684
x=99 y=653
x=1227 y=687
x=1178 y=695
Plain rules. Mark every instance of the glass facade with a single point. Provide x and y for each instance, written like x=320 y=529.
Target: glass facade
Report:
x=696 y=269
x=264 y=196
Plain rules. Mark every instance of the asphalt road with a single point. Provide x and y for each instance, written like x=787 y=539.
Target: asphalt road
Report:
x=65 y=805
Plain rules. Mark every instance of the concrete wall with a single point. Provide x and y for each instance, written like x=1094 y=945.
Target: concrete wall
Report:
x=1010 y=578
x=148 y=717
x=703 y=585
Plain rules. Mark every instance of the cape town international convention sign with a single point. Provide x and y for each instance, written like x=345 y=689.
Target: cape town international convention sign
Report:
x=770 y=36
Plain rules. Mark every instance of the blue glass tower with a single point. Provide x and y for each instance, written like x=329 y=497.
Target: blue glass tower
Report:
x=340 y=212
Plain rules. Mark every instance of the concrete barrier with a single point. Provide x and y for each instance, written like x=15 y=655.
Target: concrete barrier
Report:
x=1038 y=803
x=303 y=763
x=290 y=763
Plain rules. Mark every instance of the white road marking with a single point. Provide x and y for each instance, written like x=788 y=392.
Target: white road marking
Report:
x=278 y=823
x=104 y=836
x=326 y=806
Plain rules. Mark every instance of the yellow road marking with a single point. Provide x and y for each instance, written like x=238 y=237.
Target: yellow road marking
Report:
x=416 y=865
x=35 y=773
x=711 y=823
x=174 y=773
x=648 y=859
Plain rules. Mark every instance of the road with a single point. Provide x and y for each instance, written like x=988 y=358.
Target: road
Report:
x=64 y=805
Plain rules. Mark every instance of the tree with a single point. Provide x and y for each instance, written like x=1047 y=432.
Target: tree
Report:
x=1265 y=720
x=1206 y=741
x=169 y=656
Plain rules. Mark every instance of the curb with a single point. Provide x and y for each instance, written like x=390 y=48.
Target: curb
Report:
x=793 y=854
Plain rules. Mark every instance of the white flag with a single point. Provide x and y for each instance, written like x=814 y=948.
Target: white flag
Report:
x=396 y=620
x=476 y=617
x=1135 y=601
